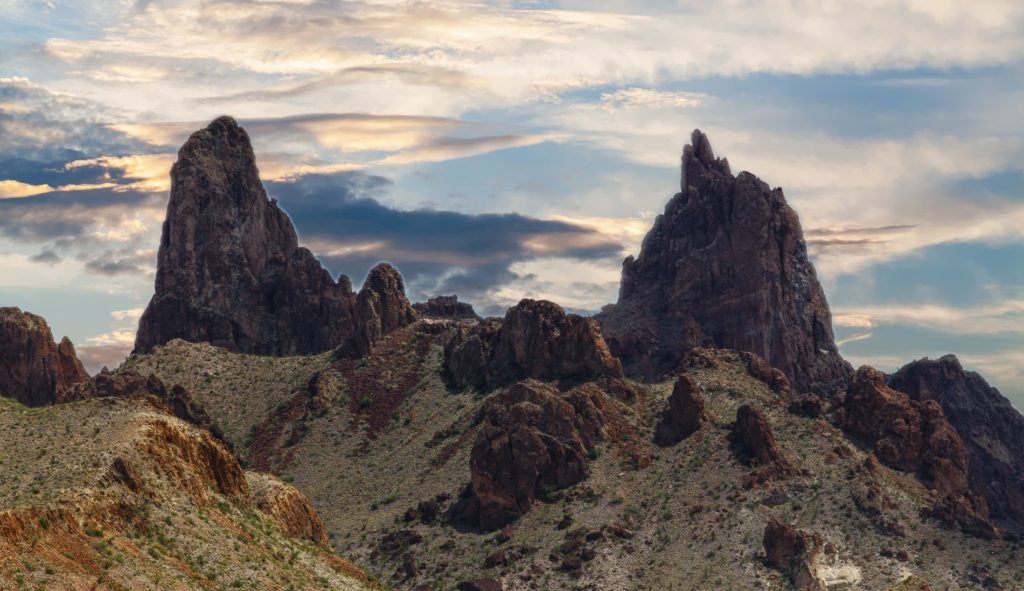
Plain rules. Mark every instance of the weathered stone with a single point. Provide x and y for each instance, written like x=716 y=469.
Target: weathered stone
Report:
x=445 y=308
x=536 y=339
x=534 y=439
x=794 y=552
x=754 y=443
x=991 y=429
x=725 y=266
x=381 y=307
x=287 y=506
x=35 y=370
x=480 y=585
x=684 y=413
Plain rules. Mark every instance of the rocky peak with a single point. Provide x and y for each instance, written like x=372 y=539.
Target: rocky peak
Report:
x=381 y=306
x=991 y=428
x=536 y=339
x=725 y=266
x=35 y=370
x=446 y=308
x=229 y=268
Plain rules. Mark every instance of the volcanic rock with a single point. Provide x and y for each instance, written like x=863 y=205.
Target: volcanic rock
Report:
x=381 y=307
x=289 y=508
x=906 y=434
x=177 y=399
x=725 y=266
x=683 y=415
x=35 y=370
x=534 y=439
x=536 y=339
x=446 y=308
x=480 y=585
x=754 y=443
x=991 y=429
x=229 y=268
x=794 y=552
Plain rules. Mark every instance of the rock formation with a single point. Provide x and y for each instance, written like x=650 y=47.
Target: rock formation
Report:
x=754 y=443
x=381 y=307
x=446 y=308
x=725 y=266
x=289 y=508
x=229 y=269
x=35 y=370
x=683 y=415
x=533 y=440
x=176 y=399
x=794 y=552
x=536 y=339
x=991 y=429
x=905 y=434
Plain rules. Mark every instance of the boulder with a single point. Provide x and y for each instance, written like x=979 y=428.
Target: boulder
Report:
x=683 y=415
x=754 y=443
x=795 y=553
x=533 y=440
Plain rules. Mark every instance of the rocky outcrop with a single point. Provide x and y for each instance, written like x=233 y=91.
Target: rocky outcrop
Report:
x=229 y=268
x=905 y=434
x=991 y=429
x=683 y=415
x=725 y=266
x=381 y=307
x=287 y=506
x=176 y=399
x=754 y=443
x=484 y=584
x=536 y=339
x=35 y=370
x=445 y=308
x=533 y=440
x=795 y=553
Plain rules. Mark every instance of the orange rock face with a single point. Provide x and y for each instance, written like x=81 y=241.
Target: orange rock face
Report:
x=287 y=506
x=35 y=370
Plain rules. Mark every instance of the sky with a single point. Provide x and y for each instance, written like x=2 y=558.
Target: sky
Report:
x=510 y=149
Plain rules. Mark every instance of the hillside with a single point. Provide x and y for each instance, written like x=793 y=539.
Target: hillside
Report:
x=378 y=438
x=115 y=493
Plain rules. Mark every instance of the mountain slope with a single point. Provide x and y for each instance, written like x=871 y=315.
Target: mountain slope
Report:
x=116 y=493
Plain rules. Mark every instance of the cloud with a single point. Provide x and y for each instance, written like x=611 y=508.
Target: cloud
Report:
x=626 y=98
x=15 y=189
x=341 y=219
x=1004 y=316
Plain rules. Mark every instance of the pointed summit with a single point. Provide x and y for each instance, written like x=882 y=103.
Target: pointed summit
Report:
x=725 y=266
x=230 y=270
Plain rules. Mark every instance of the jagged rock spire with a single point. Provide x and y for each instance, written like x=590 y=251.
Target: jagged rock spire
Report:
x=230 y=270
x=725 y=266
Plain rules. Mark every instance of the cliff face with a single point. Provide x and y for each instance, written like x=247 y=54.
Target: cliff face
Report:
x=991 y=429
x=725 y=266
x=35 y=370
x=229 y=269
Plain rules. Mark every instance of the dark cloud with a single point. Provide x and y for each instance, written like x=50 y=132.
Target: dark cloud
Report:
x=342 y=218
x=47 y=126
x=70 y=215
x=46 y=256
x=114 y=267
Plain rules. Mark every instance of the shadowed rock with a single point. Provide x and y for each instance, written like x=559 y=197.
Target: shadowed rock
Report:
x=754 y=443
x=446 y=308
x=35 y=370
x=683 y=415
x=991 y=429
x=725 y=266
x=795 y=553
x=381 y=307
x=913 y=436
x=536 y=339
x=534 y=439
